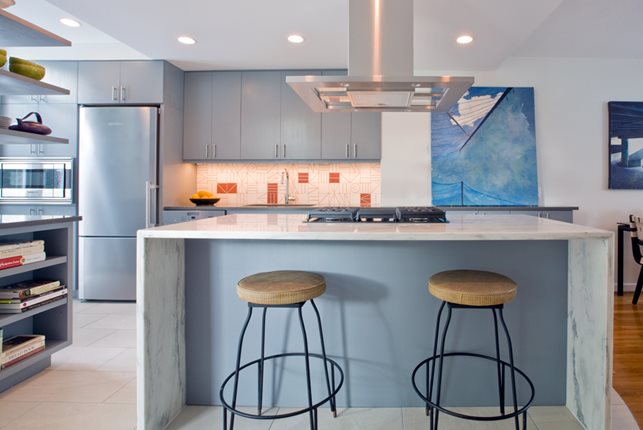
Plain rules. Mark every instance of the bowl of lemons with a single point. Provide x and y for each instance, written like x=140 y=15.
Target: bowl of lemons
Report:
x=204 y=198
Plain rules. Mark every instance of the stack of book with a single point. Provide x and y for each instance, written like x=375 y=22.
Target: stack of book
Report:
x=26 y=295
x=17 y=253
x=17 y=348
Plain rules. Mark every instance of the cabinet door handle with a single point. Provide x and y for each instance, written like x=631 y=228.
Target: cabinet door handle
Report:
x=214 y=150
x=41 y=211
x=123 y=93
x=33 y=148
x=32 y=211
x=41 y=148
x=207 y=151
x=284 y=150
x=114 y=94
x=277 y=151
x=348 y=155
x=355 y=151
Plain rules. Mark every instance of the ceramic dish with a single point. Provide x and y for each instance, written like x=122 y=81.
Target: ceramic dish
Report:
x=204 y=202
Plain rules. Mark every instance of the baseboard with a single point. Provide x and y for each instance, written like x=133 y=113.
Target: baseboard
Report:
x=627 y=288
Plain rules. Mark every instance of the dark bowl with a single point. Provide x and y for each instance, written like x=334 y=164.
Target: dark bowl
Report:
x=204 y=202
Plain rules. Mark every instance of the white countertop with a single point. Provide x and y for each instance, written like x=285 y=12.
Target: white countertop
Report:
x=293 y=227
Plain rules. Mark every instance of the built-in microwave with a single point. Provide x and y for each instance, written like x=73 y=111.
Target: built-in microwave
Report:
x=36 y=180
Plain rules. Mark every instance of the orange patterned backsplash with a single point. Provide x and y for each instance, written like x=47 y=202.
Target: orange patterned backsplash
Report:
x=328 y=184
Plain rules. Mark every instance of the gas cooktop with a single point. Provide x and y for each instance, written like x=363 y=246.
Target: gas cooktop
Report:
x=407 y=214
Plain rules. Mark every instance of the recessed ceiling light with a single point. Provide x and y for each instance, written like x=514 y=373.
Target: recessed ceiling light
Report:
x=295 y=38
x=186 y=40
x=70 y=22
x=464 y=39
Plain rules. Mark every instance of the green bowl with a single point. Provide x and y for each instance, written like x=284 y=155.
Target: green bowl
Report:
x=33 y=72
x=17 y=60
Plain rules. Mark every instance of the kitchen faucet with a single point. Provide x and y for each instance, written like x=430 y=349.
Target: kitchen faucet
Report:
x=285 y=179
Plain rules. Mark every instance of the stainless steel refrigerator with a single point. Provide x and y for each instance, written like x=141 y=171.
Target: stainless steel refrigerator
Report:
x=117 y=186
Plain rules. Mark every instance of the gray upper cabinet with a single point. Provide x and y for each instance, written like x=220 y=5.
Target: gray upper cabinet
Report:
x=255 y=115
x=366 y=135
x=60 y=73
x=300 y=126
x=226 y=116
x=351 y=135
x=261 y=115
x=197 y=115
x=336 y=130
x=212 y=116
x=132 y=82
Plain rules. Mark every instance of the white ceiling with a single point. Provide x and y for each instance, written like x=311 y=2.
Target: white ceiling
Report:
x=251 y=34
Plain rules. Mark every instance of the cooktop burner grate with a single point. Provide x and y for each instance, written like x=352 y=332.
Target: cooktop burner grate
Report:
x=419 y=214
x=332 y=214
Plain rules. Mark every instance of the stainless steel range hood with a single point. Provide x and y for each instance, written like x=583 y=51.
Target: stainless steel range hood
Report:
x=380 y=67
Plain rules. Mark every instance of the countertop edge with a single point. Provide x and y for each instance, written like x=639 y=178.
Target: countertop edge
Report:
x=444 y=208
x=32 y=221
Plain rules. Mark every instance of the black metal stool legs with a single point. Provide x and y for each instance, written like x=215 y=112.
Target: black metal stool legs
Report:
x=435 y=414
x=432 y=395
x=312 y=407
x=312 y=415
x=333 y=405
x=429 y=376
x=260 y=366
x=513 y=370
x=500 y=368
x=236 y=373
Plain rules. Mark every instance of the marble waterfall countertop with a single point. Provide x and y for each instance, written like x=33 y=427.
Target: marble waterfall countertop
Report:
x=295 y=227
x=581 y=262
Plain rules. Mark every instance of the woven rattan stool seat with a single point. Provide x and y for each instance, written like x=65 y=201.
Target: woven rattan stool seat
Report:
x=472 y=287
x=281 y=287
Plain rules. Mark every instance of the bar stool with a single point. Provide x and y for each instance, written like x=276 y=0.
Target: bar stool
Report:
x=281 y=289
x=471 y=289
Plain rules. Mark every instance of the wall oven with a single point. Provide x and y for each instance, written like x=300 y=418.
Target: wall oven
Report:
x=36 y=180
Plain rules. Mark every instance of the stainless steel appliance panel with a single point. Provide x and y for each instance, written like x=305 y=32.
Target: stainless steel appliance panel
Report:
x=45 y=180
x=117 y=171
x=107 y=268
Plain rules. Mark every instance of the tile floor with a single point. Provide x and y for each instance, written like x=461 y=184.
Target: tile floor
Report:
x=92 y=384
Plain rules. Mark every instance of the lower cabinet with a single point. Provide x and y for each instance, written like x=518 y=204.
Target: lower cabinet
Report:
x=185 y=215
x=51 y=319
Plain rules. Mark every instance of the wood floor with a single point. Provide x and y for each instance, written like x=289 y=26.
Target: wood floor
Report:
x=628 y=353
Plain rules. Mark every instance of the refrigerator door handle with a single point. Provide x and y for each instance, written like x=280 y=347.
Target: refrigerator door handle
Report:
x=149 y=187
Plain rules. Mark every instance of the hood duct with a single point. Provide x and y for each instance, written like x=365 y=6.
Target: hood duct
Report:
x=380 y=67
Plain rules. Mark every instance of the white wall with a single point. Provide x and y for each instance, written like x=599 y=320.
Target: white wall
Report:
x=406 y=161
x=571 y=98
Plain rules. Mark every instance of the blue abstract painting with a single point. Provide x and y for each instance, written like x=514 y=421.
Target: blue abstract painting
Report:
x=483 y=150
x=625 y=145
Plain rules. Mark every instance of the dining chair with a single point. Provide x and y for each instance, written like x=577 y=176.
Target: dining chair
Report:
x=636 y=228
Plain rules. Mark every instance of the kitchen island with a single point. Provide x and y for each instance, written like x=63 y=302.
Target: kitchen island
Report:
x=378 y=316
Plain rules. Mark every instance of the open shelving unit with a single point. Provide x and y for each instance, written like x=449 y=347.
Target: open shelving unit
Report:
x=53 y=319
x=12 y=84
x=15 y=31
x=20 y=137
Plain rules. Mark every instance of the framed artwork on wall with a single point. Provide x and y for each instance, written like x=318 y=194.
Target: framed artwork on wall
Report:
x=483 y=150
x=625 y=145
